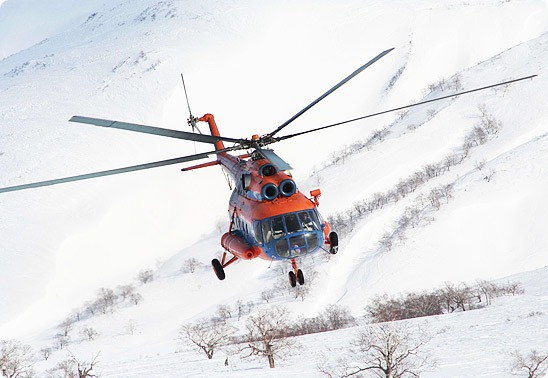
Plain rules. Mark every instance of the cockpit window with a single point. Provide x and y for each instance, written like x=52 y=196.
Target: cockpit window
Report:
x=267 y=232
x=281 y=248
x=298 y=245
x=278 y=230
x=306 y=221
x=315 y=219
x=292 y=223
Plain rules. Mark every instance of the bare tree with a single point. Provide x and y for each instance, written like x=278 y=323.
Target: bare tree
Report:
x=388 y=350
x=89 y=333
x=125 y=291
x=62 y=340
x=489 y=175
x=106 y=300
x=207 y=335
x=15 y=359
x=223 y=312
x=136 y=298
x=145 y=276
x=74 y=368
x=131 y=327
x=67 y=325
x=268 y=294
x=266 y=336
x=45 y=352
x=534 y=365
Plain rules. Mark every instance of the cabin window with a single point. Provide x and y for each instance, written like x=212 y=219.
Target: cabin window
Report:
x=257 y=231
x=278 y=230
x=306 y=221
x=292 y=223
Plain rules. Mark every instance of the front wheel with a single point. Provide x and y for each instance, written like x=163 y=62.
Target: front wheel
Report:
x=300 y=277
x=292 y=279
x=218 y=268
x=333 y=243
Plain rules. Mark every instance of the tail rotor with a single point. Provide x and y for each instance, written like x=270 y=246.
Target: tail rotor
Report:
x=191 y=121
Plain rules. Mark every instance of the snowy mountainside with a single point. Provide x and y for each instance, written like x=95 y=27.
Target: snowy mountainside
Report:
x=253 y=65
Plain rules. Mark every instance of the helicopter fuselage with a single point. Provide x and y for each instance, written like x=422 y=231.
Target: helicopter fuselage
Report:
x=269 y=217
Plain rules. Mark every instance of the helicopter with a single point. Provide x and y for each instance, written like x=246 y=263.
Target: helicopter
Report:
x=269 y=217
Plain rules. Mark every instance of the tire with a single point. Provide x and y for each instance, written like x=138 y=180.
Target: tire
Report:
x=333 y=243
x=300 y=277
x=218 y=268
x=292 y=279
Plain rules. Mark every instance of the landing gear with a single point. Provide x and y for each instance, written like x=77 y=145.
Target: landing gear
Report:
x=333 y=243
x=296 y=275
x=218 y=266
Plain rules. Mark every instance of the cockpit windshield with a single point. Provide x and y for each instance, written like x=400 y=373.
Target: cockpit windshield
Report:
x=294 y=234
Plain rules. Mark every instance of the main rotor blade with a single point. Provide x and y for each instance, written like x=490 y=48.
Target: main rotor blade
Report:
x=153 y=130
x=340 y=84
x=402 y=107
x=116 y=171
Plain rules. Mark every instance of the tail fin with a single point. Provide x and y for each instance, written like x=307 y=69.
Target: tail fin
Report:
x=213 y=129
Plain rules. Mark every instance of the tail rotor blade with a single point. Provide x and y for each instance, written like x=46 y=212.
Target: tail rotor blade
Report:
x=191 y=119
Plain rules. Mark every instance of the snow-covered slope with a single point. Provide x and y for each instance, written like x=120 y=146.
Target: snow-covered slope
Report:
x=254 y=64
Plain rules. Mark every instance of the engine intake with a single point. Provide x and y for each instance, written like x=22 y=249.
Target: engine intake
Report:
x=269 y=191
x=288 y=187
x=268 y=170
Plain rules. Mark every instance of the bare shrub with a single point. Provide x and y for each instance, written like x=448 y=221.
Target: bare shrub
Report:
x=412 y=305
x=190 y=265
x=479 y=165
x=223 y=312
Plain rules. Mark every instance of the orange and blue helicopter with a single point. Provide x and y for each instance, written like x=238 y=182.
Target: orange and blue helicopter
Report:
x=269 y=217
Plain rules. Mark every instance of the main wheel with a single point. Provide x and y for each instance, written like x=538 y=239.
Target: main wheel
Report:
x=292 y=279
x=300 y=277
x=334 y=243
x=218 y=268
